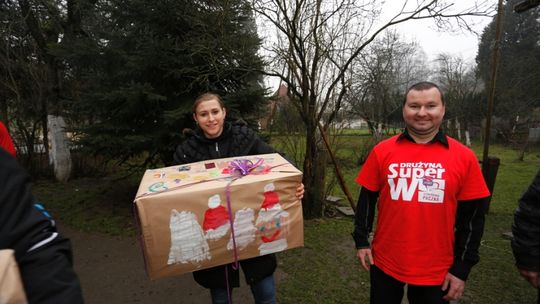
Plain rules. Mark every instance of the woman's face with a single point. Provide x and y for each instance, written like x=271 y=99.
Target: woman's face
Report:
x=210 y=117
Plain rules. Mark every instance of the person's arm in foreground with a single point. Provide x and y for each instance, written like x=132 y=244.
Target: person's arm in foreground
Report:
x=43 y=256
x=526 y=233
x=363 y=225
x=469 y=228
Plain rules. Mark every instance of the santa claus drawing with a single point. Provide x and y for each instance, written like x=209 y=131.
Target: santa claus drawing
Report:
x=216 y=219
x=271 y=222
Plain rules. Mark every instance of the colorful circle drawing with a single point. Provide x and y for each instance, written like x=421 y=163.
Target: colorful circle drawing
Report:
x=157 y=187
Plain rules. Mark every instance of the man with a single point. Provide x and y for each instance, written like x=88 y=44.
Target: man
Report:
x=43 y=256
x=6 y=142
x=526 y=232
x=430 y=193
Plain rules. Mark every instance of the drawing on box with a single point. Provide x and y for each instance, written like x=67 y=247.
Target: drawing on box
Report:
x=188 y=244
x=157 y=187
x=159 y=175
x=184 y=168
x=216 y=219
x=271 y=222
x=244 y=229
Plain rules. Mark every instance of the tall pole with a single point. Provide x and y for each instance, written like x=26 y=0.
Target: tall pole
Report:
x=494 y=68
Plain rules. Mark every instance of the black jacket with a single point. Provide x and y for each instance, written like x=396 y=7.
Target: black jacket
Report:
x=526 y=228
x=236 y=140
x=44 y=257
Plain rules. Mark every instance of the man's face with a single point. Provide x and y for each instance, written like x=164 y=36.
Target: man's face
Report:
x=423 y=113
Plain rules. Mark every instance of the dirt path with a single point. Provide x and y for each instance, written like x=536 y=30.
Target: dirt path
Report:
x=111 y=270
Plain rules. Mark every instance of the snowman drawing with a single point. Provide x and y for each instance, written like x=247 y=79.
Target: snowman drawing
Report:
x=271 y=222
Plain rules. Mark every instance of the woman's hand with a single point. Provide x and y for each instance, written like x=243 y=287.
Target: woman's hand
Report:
x=300 y=191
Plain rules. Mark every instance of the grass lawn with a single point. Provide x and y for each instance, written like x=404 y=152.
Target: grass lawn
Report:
x=326 y=269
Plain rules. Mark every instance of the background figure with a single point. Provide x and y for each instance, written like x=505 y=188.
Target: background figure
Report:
x=43 y=256
x=526 y=234
x=6 y=142
x=429 y=190
x=213 y=139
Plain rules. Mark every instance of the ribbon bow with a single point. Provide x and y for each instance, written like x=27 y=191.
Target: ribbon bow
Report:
x=243 y=166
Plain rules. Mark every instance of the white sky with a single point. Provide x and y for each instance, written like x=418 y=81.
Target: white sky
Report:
x=460 y=43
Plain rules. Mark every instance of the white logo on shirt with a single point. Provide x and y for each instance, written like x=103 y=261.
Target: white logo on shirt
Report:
x=426 y=178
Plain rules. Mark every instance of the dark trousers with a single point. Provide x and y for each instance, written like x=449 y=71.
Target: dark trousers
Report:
x=387 y=290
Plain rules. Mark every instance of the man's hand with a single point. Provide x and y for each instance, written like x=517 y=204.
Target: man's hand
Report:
x=362 y=254
x=532 y=277
x=455 y=287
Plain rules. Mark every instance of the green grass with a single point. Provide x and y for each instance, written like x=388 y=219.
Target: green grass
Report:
x=91 y=204
x=326 y=269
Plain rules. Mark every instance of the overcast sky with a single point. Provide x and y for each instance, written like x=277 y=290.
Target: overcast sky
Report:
x=433 y=42
x=460 y=43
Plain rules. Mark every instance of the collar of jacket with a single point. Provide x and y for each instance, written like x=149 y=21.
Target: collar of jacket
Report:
x=227 y=126
x=439 y=137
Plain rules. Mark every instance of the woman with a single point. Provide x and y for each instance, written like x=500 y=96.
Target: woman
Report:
x=216 y=138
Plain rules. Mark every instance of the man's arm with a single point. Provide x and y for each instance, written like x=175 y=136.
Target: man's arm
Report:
x=469 y=228
x=363 y=219
x=363 y=225
x=526 y=233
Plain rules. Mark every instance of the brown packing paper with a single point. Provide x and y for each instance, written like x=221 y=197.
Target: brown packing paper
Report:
x=11 y=288
x=185 y=221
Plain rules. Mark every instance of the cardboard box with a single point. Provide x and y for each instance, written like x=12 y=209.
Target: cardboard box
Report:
x=185 y=219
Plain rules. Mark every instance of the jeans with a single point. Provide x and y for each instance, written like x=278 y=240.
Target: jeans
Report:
x=263 y=291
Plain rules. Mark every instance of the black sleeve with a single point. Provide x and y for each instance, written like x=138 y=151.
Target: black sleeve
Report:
x=363 y=219
x=469 y=228
x=43 y=256
x=526 y=228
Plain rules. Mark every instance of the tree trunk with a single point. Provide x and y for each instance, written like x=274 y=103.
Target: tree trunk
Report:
x=59 y=154
x=458 y=129
x=314 y=175
x=4 y=111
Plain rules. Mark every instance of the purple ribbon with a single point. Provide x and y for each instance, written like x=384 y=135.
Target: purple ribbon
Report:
x=238 y=168
x=242 y=167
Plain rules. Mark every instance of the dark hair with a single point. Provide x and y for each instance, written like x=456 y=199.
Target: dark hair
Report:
x=206 y=97
x=422 y=86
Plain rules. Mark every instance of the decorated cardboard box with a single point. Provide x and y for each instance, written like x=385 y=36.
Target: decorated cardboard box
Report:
x=214 y=212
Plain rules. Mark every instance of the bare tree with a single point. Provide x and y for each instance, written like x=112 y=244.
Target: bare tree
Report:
x=22 y=85
x=318 y=42
x=463 y=95
x=381 y=75
x=52 y=24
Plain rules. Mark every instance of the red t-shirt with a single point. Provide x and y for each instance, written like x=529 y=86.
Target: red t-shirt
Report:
x=5 y=140
x=419 y=186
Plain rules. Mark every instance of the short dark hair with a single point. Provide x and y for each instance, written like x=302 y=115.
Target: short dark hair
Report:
x=422 y=86
x=206 y=97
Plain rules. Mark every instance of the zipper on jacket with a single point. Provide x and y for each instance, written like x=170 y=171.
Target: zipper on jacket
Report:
x=217 y=149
